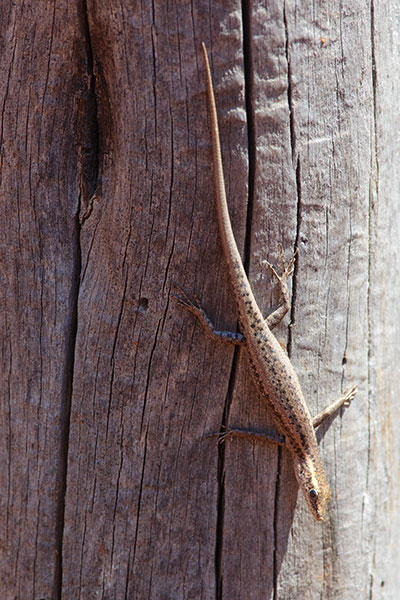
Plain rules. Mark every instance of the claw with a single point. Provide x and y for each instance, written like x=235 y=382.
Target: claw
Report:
x=183 y=299
x=221 y=435
x=288 y=269
x=350 y=396
x=271 y=268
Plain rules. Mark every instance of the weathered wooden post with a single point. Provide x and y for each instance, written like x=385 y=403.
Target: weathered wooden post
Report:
x=111 y=486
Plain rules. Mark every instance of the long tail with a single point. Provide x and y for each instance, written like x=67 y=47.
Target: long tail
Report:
x=233 y=258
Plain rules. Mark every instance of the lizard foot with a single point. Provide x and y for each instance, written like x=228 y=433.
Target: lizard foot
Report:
x=287 y=270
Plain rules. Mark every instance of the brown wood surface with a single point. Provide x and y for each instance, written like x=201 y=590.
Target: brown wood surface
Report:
x=111 y=486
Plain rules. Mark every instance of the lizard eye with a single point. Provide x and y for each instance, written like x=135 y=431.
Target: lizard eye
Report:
x=313 y=494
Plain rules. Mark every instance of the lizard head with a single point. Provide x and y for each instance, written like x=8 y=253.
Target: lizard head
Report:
x=314 y=485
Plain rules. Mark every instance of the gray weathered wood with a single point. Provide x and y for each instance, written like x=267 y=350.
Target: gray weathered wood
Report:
x=111 y=485
x=43 y=127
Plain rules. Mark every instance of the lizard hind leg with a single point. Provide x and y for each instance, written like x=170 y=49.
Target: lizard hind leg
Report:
x=287 y=270
x=236 y=432
x=252 y=435
x=344 y=400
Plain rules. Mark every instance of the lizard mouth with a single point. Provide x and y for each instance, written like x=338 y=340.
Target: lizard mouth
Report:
x=317 y=510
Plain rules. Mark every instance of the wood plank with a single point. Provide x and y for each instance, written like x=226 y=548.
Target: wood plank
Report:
x=41 y=81
x=142 y=491
x=106 y=179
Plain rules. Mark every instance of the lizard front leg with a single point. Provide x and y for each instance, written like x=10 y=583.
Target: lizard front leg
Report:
x=287 y=270
x=194 y=306
x=344 y=400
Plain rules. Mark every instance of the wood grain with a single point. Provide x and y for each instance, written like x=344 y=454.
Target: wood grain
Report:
x=110 y=484
x=43 y=96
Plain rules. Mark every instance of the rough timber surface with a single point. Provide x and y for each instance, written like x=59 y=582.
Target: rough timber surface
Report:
x=111 y=486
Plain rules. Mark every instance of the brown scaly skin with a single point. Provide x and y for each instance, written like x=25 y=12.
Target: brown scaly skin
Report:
x=272 y=370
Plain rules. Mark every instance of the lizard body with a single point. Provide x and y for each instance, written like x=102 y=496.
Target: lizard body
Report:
x=271 y=368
